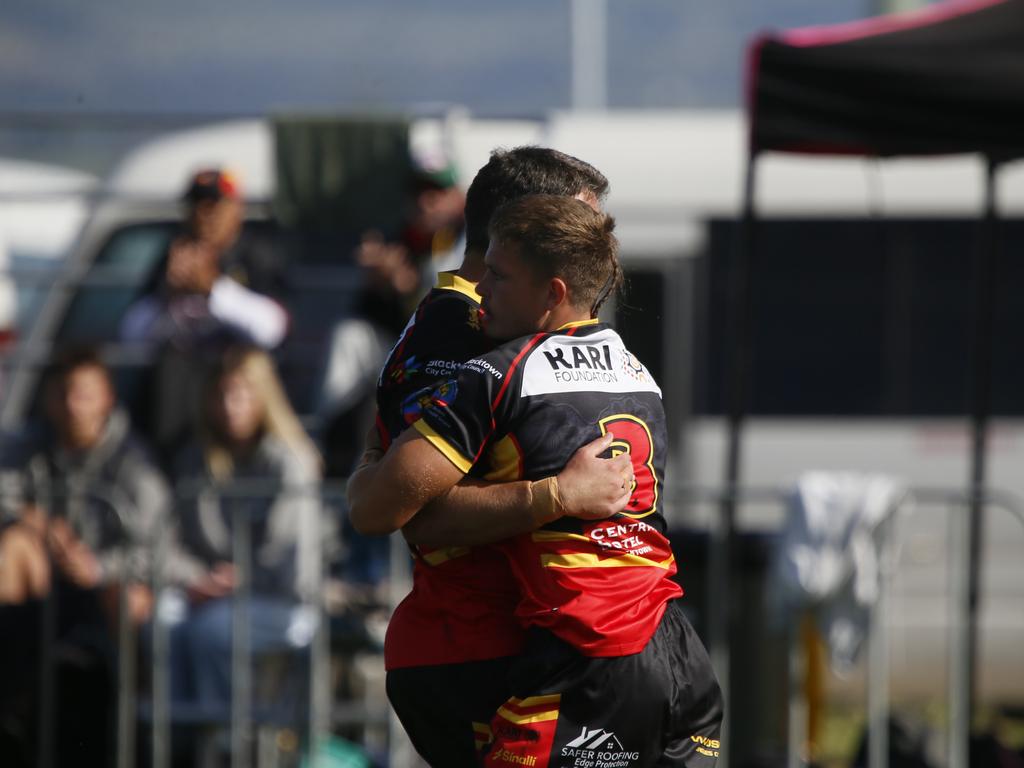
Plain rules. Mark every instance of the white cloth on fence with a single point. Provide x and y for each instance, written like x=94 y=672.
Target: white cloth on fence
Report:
x=829 y=553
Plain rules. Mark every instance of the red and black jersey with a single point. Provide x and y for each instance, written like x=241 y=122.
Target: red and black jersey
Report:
x=462 y=602
x=521 y=411
x=442 y=333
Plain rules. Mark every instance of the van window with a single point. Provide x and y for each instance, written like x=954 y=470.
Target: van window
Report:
x=861 y=318
x=121 y=270
x=126 y=265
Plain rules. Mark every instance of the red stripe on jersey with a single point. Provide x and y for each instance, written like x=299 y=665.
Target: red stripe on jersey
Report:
x=520 y=470
x=399 y=353
x=568 y=588
x=515 y=744
x=501 y=392
x=382 y=431
x=462 y=609
x=533 y=705
x=508 y=375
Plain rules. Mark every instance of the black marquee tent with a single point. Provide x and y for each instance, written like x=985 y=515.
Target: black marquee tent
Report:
x=948 y=78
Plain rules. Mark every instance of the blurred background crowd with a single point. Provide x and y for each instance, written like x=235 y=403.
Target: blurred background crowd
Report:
x=215 y=220
x=119 y=459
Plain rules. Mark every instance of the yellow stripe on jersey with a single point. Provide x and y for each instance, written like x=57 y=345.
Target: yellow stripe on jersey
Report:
x=461 y=462
x=540 y=717
x=536 y=701
x=579 y=323
x=505 y=461
x=551 y=700
x=438 y=556
x=449 y=281
x=590 y=560
x=557 y=536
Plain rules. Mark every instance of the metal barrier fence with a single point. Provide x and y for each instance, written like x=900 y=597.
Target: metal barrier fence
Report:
x=321 y=712
x=956 y=503
x=155 y=709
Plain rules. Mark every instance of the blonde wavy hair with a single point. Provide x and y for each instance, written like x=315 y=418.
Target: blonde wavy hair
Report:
x=279 y=418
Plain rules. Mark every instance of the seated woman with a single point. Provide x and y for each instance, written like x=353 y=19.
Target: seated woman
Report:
x=251 y=440
x=76 y=525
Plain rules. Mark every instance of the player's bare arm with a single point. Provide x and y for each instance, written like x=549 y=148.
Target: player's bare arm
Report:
x=475 y=512
x=384 y=495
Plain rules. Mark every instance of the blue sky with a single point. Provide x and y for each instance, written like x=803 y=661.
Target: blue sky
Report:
x=258 y=55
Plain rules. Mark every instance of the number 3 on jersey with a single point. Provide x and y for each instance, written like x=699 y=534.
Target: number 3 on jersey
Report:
x=633 y=437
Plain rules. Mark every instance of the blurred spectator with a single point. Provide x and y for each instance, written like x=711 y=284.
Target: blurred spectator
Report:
x=91 y=496
x=78 y=530
x=250 y=434
x=395 y=276
x=434 y=232
x=195 y=308
x=197 y=298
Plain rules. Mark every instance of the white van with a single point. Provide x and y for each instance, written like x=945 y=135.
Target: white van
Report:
x=138 y=208
x=861 y=290
x=42 y=210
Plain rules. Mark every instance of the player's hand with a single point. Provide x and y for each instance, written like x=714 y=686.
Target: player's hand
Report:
x=594 y=488
x=139 y=600
x=387 y=266
x=191 y=267
x=217 y=582
x=73 y=556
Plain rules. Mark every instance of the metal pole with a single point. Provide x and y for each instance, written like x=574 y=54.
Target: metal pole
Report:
x=125 y=672
x=241 y=661
x=47 y=713
x=959 y=666
x=796 y=725
x=878 y=648
x=722 y=611
x=319 y=655
x=896 y=6
x=161 y=746
x=981 y=386
x=589 y=54
x=400 y=751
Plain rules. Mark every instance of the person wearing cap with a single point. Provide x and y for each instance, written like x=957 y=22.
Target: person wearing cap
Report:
x=194 y=309
x=195 y=299
x=214 y=211
x=395 y=276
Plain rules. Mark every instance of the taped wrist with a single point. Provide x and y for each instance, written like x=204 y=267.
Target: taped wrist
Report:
x=545 y=502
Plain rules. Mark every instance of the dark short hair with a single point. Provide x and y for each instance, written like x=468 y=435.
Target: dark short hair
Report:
x=528 y=170
x=70 y=359
x=563 y=237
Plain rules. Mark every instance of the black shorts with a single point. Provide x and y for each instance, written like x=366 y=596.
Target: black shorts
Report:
x=446 y=709
x=657 y=708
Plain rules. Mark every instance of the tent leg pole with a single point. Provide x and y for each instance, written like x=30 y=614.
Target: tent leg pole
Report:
x=981 y=388
x=723 y=593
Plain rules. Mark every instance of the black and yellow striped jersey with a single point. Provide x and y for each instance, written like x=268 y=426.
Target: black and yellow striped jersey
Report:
x=462 y=603
x=521 y=411
x=442 y=333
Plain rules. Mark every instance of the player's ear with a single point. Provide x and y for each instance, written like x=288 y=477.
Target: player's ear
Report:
x=558 y=293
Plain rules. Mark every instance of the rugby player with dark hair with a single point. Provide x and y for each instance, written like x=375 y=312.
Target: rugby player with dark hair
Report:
x=450 y=642
x=612 y=673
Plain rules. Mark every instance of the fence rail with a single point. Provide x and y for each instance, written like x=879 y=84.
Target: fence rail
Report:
x=157 y=711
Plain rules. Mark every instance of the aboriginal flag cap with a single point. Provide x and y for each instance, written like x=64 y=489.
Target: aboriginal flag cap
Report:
x=212 y=184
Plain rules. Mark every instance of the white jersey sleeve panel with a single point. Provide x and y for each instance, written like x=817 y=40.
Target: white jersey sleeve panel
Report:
x=594 y=362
